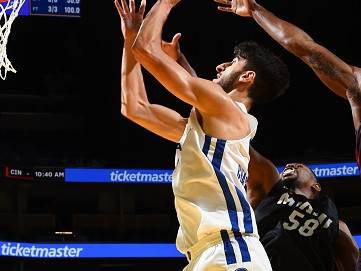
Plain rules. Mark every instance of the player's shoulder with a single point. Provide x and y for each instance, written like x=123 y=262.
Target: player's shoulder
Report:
x=344 y=228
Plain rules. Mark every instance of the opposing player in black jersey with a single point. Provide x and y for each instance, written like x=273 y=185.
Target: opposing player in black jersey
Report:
x=298 y=224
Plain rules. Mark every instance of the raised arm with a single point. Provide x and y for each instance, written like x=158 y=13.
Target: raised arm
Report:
x=134 y=102
x=335 y=73
x=263 y=175
x=207 y=96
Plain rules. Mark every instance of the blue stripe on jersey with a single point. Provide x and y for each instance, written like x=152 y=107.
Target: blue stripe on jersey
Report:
x=228 y=249
x=207 y=144
x=246 y=257
x=231 y=206
x=247 y=217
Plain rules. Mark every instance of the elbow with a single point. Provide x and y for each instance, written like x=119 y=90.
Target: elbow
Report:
x=124 y=112
x=133 y=111
x=128 y=112
x=142 y=50
x=146 y=51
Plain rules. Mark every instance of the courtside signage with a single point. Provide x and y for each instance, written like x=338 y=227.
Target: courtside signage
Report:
x=69 y=251
x=28 y=250
x=333 y=170
x=118 y=175
x=165 y=176
x=143 y=176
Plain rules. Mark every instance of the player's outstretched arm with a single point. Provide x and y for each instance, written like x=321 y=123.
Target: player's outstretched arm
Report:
x=134 y=102
x=335 y=73
x=208 y=97
x=263 y=175
x=346 y=250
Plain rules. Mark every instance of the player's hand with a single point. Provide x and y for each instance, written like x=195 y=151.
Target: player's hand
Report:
x=131 y=19
x=172 y=48
x=240 y=7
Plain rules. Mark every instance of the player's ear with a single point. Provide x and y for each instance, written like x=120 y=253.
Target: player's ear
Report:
x=316 y=187
x=247 y=77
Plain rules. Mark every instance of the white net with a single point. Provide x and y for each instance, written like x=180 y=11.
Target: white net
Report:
x=8 y=13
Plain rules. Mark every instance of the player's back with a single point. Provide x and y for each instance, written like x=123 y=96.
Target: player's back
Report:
x=297 y=233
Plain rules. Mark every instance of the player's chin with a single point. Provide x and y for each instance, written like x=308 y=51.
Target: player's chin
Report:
x=289 y=178
x=216 y=80
x=289 y=183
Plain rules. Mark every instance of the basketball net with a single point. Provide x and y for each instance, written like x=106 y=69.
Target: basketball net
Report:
x=8 y=13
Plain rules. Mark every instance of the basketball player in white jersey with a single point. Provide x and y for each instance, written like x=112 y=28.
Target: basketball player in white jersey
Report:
x=217 y=225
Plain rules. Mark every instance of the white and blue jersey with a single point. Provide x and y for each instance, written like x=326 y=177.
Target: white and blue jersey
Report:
x=208 y=183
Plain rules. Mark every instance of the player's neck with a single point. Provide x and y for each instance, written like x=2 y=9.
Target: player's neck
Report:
x=241 y=97
x=308 y=194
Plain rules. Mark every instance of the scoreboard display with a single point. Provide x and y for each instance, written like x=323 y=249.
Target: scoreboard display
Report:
x=62 y=8
x=55 y=7
x=33 y=173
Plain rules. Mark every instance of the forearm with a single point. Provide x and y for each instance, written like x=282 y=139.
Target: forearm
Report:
x=337 y=75
x=286 y=34
x=149 y=40
x=133 y=93
x=148 y=51
x=182 y=60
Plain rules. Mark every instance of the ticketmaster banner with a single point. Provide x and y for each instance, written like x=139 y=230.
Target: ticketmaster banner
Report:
x=27 y=250
x=73 y=251
x=118 y=175
x=333 y=170
x=165 y=176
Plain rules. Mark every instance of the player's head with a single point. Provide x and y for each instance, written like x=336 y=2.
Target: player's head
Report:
x=255 y=69
x=301 y=179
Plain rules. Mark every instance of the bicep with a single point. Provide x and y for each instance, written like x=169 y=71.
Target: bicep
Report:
x=337 y=75
x=162 y=121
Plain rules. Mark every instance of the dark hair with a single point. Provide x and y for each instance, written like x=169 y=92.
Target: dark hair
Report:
x=272 y=76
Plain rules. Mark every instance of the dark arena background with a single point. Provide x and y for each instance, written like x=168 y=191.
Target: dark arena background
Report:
x=73 y=169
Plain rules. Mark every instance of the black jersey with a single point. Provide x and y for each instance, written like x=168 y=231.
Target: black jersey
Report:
x=297 y=233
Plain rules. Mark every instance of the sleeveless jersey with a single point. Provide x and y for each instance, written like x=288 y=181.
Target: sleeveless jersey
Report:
x=297 y=233
x=208 y=184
